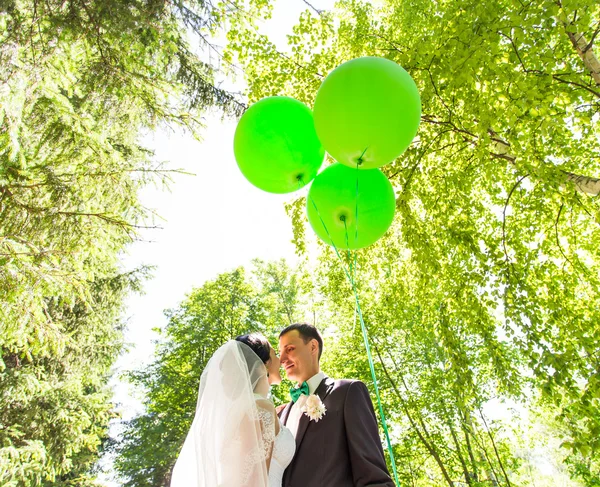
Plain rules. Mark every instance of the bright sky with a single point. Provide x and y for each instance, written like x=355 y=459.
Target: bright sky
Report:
x=213 y=222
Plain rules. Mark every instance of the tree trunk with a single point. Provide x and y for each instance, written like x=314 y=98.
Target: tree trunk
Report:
x=481 y=451
x=583 y=48
x=495 y=449
x=421 y=434
x=466 y=473
x=469 y=446
x=586 y=53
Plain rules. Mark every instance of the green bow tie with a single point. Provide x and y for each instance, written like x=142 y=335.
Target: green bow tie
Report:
x=296 y=392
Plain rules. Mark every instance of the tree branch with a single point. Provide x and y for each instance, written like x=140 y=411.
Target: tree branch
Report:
x=585 y=184
x=501 y=149
x=574 y=83
x=318 y=11
x=557 y=235
x=504 y=220
x=591 y=43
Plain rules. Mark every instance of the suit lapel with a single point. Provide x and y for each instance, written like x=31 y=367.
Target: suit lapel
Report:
x=322 y=391
x=286 y=412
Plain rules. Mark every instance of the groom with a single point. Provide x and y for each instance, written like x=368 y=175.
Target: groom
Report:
x=343 y=448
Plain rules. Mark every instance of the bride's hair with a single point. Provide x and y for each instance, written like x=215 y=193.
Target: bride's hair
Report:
x=259 y=345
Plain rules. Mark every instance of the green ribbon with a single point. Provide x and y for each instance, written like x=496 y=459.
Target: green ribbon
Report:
x=350 y=276
x=296 y=392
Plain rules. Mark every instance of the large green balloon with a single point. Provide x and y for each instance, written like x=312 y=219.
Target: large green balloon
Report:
x=332 y=206
x=276 y=146
x=367 y=110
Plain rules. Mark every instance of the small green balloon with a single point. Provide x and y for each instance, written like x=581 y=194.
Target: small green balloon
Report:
x=367 y=111
x=332 y=206
x=276 y=146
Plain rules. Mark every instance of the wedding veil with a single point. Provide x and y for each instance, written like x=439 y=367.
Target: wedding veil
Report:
x=231 y=438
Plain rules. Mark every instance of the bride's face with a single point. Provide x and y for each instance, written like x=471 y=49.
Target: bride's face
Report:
x=273 y=367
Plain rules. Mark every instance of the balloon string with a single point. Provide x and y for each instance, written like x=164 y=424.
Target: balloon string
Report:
x=372 y=367
x=356 y=209
x=300 y=184
x=367 y=345
x=363 y=329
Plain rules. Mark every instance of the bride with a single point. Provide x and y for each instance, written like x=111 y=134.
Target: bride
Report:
x=236 y=438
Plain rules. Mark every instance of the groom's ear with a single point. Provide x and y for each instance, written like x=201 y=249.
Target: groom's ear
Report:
x=314 y=346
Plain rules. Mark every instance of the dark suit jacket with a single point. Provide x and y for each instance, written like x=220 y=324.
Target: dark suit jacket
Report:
x=343 y=449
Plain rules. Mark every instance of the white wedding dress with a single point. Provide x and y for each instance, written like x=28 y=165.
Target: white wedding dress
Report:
x=284 y=448
x=236 y=438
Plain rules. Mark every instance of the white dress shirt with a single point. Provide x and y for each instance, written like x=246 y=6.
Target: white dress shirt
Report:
x=296 y=410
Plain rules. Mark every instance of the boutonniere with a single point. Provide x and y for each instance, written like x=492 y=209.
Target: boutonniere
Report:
x=314 y=408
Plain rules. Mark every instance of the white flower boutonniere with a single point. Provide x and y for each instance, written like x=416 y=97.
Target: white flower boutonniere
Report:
x=314 y=408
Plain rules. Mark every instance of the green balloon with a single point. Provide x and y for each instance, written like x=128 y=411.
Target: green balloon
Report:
x=332 y=206
x=367 y=111
x=276 y=146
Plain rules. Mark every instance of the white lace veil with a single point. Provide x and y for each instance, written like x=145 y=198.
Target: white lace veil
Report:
x=229 y=442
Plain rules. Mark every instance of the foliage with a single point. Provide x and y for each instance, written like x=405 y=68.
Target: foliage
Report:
x=81 y=82
x=486 y=290
x=232 y=304
x=442 y=425
x=56 y=408
x=488 y=284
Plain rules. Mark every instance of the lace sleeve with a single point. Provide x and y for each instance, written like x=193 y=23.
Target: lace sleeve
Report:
x=264 y=418
x=267 y=417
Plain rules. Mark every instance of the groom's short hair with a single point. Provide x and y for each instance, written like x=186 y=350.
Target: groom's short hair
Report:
x=307 y=332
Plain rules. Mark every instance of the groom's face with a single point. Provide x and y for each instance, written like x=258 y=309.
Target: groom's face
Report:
x=299 y=359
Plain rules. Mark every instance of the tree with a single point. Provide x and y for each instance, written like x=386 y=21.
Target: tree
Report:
x=494 y=247
x=56 y=407
x=82 y=81
x=233 y=304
